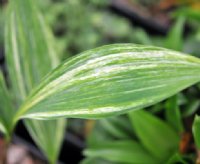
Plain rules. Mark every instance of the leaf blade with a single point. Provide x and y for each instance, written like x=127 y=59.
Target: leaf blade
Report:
x=121 y=152
x=196 y=131
x=173 y=114
x=162 y=141
x=6 y=109
x=101 y=80
x=29 y=56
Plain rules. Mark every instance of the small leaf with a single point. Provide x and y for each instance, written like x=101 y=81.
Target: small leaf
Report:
x=156 y=136
x=111 y=80
x=174 y=39
x=121 y=152
x=117 y=127
x=176 y=158
x=196 y=131
x=173 y=114
x=191 y=108
x=110 y=129
x=6 y=109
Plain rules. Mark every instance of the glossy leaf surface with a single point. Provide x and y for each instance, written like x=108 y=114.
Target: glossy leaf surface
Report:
x=30 y=55
x=111 y=80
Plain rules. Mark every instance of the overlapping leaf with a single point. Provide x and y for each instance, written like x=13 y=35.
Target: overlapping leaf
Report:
x=30 y=55
x=156 y=135
x=109 y=129
x=111 y=80
x=127 y=151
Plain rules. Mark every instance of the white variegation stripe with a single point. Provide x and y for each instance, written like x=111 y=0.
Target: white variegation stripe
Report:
x=31 y=56
x=95 y=66
x=106 y=70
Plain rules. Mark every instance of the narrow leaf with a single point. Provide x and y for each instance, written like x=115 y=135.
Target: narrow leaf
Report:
x=191 y=107
x=117 y=127
x=174 y=39
x=110 y=129
x=121 y=152
x=196 y=131
x=156 y=136
x=176 y=158
x=6 y=109
x=111 y=80
x=173 y=114
x=29 y=56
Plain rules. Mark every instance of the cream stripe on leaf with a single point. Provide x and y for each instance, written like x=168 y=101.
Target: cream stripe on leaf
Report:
x=30 y=55
x=111 y=80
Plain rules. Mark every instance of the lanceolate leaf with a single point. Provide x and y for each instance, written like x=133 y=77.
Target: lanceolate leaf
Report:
x=30 y=55
x=6 y=109
x=111 y=80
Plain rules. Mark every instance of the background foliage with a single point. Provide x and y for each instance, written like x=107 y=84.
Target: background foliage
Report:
x=81 y=25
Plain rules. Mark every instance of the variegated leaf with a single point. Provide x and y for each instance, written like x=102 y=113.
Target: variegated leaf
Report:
x=30 y=55
x=111 y=80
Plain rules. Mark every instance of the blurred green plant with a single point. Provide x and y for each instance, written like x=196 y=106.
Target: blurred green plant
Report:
x=160 y=135
x=150 y=141
x=100 y=80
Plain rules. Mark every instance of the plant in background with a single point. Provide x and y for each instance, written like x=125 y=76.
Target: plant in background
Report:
x=105 y=81
x=139 y=137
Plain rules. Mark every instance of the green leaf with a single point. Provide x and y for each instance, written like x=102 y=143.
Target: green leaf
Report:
x=196 y=131
x=126 y=151
x=110 y=129
x=174 y=39
x=111 y=80
x=96 y=161
x=176 y=158
x=6 y=109
x=117 y=127
x=173 y=114
x=48 y=135
x=29 y=56
x=191 y=108
x=156 y=135
x=188 y=12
